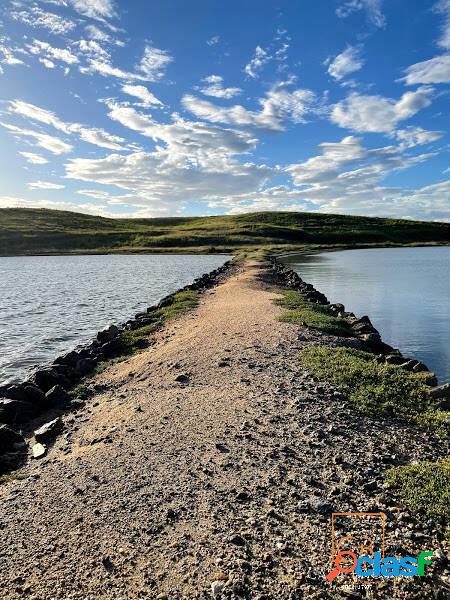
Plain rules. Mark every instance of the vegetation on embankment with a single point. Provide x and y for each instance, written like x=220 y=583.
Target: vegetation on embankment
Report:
x=316 y=316
x=424 y=487
x=376 y=388
x=43 y=231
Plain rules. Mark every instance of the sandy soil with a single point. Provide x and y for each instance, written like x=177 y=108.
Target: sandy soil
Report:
x=206 y=466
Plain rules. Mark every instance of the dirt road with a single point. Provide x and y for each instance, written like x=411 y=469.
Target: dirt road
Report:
x=206 y=466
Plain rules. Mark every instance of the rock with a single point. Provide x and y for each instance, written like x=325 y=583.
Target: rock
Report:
x=38 y=451
x=370 y=338
x=217 y=588
x=85 y=365
x=9 y=439
x=112 y=348
x=56 y=395
x=15 y=411
x=47 y=378
x=25 y=392
x=441 y=395
x=182 y=378
x=108 y=334
x=48 y=430
x=420 y=367
x=237 y=540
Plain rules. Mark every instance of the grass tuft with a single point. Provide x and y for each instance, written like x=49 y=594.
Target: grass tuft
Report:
x=424 y=487
x=300 y=311
x=375 y=388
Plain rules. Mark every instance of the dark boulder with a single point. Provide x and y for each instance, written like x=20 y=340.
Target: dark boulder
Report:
x=15 y=411
x=48 y=431
x=108 y=334
x=85 y=365
x=49 y=377
x=112 y=348
x=57 y=395
x=10 y=440
x=25 y=392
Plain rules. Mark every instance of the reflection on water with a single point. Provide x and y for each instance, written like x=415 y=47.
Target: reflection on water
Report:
x=405 y=292
x=50 y=304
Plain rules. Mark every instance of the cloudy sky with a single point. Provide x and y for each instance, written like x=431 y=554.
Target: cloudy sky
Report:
x=169 y=107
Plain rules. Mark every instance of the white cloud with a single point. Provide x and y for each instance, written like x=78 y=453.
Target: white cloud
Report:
x=95 y=9
x=215 y=88
x=345 y=63
x=34 y=159
x=9 y=56
x=48 y=142
x=95 y=33
x=258 y=61
x=95 y=136
x=142 y=93
x=376 y=113
x=213 y=41
x=107 y=70
x=154 y=63
x=416 y=136
x=92 y=49
x=51 y=53
x=37 y=17
x=280 y=104
x=443 y=7
x=435 y=70
x=371 y=7
x=44 y=185
x=89 y=209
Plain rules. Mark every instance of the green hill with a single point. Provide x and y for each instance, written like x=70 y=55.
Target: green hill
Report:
x=42 y=231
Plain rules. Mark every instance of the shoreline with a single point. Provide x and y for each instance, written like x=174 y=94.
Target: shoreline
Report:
x=209 y=463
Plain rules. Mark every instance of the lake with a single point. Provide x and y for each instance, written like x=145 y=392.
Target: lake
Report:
x=404 y=291
x=50 y=304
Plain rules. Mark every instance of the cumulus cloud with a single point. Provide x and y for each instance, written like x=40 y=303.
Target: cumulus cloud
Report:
x=154 y=63
x=416 y=136
x=8 y=55
x=143 y=94
x=45 y=185
x=377 y=113
x=215 y=88
x=260 y=58
x=372 y=8
x=280 y=104
x=435 y=70
x=48 y=142
x=37 y=17
x=345 y=63
x=95 y=136
x=34 y=159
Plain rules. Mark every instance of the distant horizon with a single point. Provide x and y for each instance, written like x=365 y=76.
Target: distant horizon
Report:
x=120 y=110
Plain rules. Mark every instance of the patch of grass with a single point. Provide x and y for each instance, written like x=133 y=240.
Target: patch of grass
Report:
x=13 y=477
x=181 y=302
x=424 y=487
x=300 y=311
x=374 y=387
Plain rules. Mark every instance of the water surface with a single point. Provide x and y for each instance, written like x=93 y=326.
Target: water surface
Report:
x=404 y=291
x=50 y=304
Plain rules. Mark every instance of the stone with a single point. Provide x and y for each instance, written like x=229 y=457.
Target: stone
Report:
x=25 y=392
x=182 y=378
x=39 y=450
x=9 y=439
x=108 y=334
x=217 y=588
x=47 y=378
x=56 y=395
x=15 y=411
x=48 y=430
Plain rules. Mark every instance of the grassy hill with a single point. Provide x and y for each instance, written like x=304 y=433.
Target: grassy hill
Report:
x=42 y=231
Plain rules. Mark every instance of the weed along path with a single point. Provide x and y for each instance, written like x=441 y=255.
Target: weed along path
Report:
x=208 y=466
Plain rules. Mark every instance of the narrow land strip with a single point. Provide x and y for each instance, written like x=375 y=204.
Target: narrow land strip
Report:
x=208 y=463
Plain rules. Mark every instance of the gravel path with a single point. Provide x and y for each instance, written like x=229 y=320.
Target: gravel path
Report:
x=207 y=466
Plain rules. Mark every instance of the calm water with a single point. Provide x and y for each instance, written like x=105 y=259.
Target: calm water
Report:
x=405 y=292
x=49 y=305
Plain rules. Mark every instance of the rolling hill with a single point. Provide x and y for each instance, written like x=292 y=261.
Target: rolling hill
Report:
x=42 y=231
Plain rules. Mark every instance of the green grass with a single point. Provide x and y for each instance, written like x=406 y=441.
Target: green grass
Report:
x=424 y=487
x=300 y=311
x=375 y=388
x=181 y=302
x=13 y=476
x=41 y=231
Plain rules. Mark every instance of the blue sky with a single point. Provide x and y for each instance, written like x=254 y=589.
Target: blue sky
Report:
x=167 y=107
